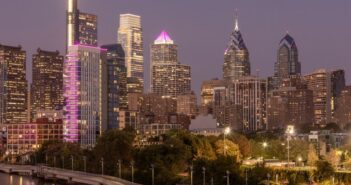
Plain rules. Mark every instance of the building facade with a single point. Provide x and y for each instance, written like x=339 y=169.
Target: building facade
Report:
x=13 y=85
x=130 y=36
x=47 y=86
x=116 y=84
x=85 y=93
x=187 y=104
x=236 y=57
x=290 y=104
x=169 y=77
x=251 y=94
x=287 y=60
x=81 y=27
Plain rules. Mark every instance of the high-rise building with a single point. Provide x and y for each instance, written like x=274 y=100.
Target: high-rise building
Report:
x=236 y=56
x=130 y=36
x=287 y=60
x=13 y=85
x=251 y=94
x=85 y=94
x=337 y=86
x=116 y=84
x=187 y=104
x=169 y=77
x=320 y=83
x=290 y=104
x=343 y=114
x=47 y=86
x=81 y=27
x=207 y=91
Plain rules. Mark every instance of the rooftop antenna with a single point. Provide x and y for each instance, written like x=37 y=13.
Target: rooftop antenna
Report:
x=236 y=17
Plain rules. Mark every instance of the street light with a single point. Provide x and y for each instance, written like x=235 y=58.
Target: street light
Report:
x=153 y=173
x=119 y=168
x=204 y=175
x=132 y=166
x=290 y=131
x=227 y=172
x=102 y=166
x=264 y=145
x=85 y=163
x=72 y=160
x=191 y=174
x=226 y=132
x=300 y=160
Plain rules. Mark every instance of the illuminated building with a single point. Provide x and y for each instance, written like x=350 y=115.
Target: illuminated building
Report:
x=169 y=77
x=287 y=61
x=13 y=83
x=28 y=137
x=290 y=104
x=47 y=85
x=320 y=83
x=343 y=112
x=130 y=36
x=337 y=86
x=85 y=93
x=81 y=27
x=207 y=91
x=187 y=104
x=116 y=84
x=251 y=94
x=236 y=56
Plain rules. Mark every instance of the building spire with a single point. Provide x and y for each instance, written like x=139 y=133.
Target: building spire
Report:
x=236 y=28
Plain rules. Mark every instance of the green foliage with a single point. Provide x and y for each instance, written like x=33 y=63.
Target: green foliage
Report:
x=228 y=148
x=324 y=170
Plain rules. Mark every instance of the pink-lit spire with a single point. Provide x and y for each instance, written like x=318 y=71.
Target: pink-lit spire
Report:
x=163 y=38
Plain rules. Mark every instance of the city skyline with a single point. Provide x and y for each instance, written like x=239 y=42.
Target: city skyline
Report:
x=272 y=22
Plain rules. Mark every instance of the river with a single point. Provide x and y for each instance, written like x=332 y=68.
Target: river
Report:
x=7 y=179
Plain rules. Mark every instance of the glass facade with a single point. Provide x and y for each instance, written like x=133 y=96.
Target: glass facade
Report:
x=13 y=85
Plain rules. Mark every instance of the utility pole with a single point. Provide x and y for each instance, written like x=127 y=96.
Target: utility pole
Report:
x=227 y=172
x=204 y=175
x=153 y=173
x=85 y=163
x=132 y=165
x=191 y=174
x=72 y=160
x=102 y=166
x=119 y=168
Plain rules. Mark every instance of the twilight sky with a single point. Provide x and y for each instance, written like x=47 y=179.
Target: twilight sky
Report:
x=201 y=28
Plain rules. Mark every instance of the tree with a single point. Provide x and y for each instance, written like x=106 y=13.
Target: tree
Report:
x=324 y=170
x=228 y=148
x=333 y=158
x=243 y=143
x=312 y=157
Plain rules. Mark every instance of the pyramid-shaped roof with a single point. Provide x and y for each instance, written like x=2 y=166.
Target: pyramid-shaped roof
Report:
x=164 y=38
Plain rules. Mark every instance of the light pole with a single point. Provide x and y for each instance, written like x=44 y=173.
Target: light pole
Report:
x=85 y=163
x=290 y=130
x=46 y=159
x=153 y=174
x=227 y=172
x=226 y=132
x=63 y=162
x=119 y=168
x=204 y=175
x=102 y=166
x=132 y=166
x=264 y=145
x=246 y=177
x=191 y=174
x=72 y=160
x=54 y=161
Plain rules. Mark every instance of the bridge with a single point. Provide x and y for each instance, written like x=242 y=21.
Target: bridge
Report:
x=63 y=174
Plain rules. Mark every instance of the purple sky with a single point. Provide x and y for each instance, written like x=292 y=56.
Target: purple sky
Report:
x=201 y=28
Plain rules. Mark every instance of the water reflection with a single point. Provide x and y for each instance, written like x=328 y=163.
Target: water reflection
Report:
x=6 y=179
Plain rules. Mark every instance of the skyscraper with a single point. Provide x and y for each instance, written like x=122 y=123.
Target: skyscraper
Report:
x=236 y=56
x=81 y=27
x=130 y=36
x=287 y=60
x=169 y=77
x=13 y=85
x=85 y=93
x=116 y=84
x=47 y=86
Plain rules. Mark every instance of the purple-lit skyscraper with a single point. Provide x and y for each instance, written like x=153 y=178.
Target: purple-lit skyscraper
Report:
x=85 y=94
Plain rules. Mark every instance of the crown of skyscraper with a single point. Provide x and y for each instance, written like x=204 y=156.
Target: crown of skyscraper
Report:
x=163 y=38
x=236 y=39
x=288 y=41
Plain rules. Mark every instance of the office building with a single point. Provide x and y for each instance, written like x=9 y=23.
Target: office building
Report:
x=287 y=60
x=47 y=86
x=13 y=83
x=290 y=104
x=81 y=27
x=169 y=77
x=342 y=114
x=187 y=104
x=236 y=56
x=130 y=36
x=116 y=84
x=85 y=93
x=337 y=86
